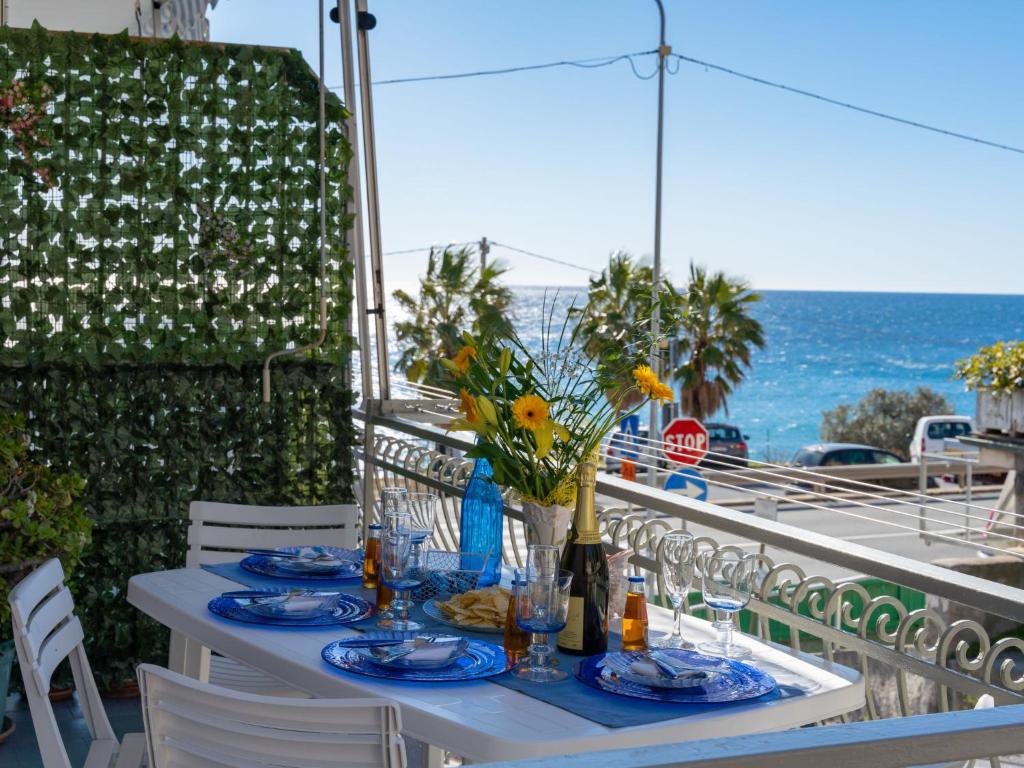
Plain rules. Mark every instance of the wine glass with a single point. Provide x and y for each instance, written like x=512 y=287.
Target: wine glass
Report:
x=677 y=554
x=728 y=576
x=542 y=562
x=423 y=507
x=400 y=569
x=542 y=607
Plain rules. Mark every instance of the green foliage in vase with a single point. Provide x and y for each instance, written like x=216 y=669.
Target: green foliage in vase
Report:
x=883 y=418
x=998 y=368
x=455 y=295
x=40 y=515
x=715 y=338
x=141 y=295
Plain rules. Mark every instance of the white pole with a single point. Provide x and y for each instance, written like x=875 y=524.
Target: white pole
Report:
x=654 y=432
x=364 y=23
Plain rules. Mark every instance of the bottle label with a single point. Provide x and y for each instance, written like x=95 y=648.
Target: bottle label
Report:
x=572 y=636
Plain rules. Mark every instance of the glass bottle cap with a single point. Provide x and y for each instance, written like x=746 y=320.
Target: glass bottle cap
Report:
x=636 y=579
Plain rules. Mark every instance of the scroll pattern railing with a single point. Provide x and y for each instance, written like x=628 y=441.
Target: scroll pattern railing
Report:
x=913 y=661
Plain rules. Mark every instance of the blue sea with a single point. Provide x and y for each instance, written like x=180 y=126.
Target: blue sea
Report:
x=827 y=348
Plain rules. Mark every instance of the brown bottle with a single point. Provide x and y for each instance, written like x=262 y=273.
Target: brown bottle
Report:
x=371 y=558
x=634 y=618
x=517 y=641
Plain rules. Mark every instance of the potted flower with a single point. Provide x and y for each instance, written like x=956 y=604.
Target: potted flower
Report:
x=541 y=412
x=39 y=519
x=997 y=374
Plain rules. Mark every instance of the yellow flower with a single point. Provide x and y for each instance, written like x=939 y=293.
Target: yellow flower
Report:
x=463 y=358
x=486 y=409
x=662 y=392
x=504 y=360
x=645 y=378
x=545 y=437
x=467 y=404
x=530 y=412
x=562 y=432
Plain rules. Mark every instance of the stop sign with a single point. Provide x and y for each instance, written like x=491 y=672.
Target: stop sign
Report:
x=686 y=441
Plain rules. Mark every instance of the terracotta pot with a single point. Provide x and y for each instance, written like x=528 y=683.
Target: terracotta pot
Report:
x=129 y=689
x=61 y=694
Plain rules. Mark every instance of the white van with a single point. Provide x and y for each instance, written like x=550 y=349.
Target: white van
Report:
x=937 y=434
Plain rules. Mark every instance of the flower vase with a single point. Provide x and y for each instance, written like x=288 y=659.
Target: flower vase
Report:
x=546 y=524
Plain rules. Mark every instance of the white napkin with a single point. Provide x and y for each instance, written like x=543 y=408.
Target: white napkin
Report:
x=300 y=604
x=647 y=668
x=433 y=652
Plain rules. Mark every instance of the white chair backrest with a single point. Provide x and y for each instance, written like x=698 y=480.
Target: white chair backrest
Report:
x=46 y=631
x=194 y=724
x=220 y=532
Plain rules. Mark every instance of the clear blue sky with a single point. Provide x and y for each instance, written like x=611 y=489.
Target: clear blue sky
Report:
x=782 y=190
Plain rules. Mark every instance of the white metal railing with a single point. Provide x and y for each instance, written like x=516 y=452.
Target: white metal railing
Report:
x=912 y=660
x=932 y=739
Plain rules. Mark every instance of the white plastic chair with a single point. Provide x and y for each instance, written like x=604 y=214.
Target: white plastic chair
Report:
x=198 y=725
x=221 y=533
x=46 y=631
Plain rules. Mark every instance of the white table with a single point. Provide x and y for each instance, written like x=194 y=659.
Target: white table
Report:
x=481 y=720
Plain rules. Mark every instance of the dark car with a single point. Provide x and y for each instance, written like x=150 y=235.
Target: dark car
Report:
x=842 y=455
x=726 y=445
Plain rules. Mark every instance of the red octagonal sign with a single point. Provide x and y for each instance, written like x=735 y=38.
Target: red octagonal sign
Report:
x=686 y=441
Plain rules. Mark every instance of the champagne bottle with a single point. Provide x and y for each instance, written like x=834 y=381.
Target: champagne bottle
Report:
x=586 y=630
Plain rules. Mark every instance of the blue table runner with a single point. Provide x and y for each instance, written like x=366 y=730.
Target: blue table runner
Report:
x=569 y=694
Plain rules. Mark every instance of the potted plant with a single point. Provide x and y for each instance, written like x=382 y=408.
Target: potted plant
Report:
x=39 y=519
x=997 y=374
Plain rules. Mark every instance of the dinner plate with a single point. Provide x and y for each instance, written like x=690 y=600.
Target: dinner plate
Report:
x=433 y=610
x=480 y=660
x=733 y=681
x=345 y=610
x=284 y=568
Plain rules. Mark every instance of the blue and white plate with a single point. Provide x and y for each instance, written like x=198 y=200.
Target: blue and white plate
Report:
x=342 y=609
x=349 y=565
x=480 y=660
x=731 y=681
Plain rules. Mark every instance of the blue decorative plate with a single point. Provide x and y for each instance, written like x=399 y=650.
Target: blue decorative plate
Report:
x=433 y=611
x=345 y=609
x=282 y=568
x=732 y=681
x=480 y=660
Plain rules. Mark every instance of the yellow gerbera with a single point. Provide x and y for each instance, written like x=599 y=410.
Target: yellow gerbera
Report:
x=662 y=392
x=530 y=412
x=467 y=404
x=645 y=378
x=463 y=358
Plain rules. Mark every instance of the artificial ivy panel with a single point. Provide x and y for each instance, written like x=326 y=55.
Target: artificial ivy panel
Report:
x=139 y=294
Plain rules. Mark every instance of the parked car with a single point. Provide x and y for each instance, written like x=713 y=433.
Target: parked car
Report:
x=728 y=440
x=842 y=455
x=933 y=434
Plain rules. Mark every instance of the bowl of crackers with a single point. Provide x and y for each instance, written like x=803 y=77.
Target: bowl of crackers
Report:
x=478 y=610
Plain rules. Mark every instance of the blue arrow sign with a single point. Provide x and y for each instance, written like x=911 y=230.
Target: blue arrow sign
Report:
x=626 y=438
x=690 y=482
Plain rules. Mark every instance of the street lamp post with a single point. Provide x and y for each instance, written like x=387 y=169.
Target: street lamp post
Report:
x=654 y=433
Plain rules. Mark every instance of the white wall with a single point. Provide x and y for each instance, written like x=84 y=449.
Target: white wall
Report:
x=109 y=16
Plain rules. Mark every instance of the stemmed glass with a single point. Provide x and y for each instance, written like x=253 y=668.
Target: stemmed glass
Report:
x=400 y=569
x=393 y=498
x=728 y=579
x=677 y=554
x=542 y=606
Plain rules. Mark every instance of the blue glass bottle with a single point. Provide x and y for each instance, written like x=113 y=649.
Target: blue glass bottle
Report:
x=480 y=526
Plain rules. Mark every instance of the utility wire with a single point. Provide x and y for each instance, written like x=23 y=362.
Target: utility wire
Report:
x=846 y=105
x=553 y=260
x=595 y=63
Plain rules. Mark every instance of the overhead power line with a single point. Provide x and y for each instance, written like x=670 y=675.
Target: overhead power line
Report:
x=847 y=105
x=523 y=251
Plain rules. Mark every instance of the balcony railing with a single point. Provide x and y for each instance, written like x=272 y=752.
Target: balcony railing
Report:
x=914 y=660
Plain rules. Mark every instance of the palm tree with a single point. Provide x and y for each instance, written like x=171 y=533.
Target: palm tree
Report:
x=618 y=312
x=455 y=295
x=716 y=338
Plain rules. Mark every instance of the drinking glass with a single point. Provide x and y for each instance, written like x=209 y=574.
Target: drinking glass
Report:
x=423 y=507
x=393 y=498
x=400 y=570
x=542 y=562
x=542 y=607
x=728 y=577
x=677 y=554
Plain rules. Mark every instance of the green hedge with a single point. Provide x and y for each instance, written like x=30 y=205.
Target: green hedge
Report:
x=150 y=440
x=140 y=295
